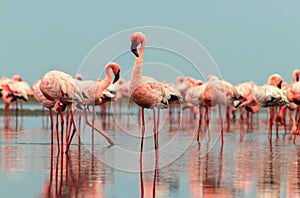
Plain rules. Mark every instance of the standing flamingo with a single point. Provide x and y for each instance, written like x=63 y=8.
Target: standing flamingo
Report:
x=219 y=92
x=270 y=96
x=146 y=91
x=94 y=92
x=293 y=93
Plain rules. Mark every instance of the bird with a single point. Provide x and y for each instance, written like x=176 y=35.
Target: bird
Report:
x=272 y=97
x=293 y=94
x=145 y=91
x=248 y=100
x=61 y=87
x=39 y=97
x=220 y=92
x=95 y=92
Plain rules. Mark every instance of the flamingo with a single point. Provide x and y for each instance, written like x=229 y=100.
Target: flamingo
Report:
x=145 y=91
x=61 y=87
x=293 y=92
x=13 y=89
x=276 y=81
x=219 y=92
x=39 y=96
x=270 y=96
x=194 y=96
x=247 y=99
x=95 y=90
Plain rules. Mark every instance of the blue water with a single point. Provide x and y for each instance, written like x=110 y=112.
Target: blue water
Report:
x=248 y=164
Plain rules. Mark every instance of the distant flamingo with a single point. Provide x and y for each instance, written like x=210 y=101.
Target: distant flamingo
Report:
x=247 y=99
x=146 y=91
x=270 y=96
x=274 y=80
x=193 y=97
x=219 y=92
x=293 y=92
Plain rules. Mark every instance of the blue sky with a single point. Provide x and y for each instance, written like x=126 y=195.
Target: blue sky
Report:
x=247 y=40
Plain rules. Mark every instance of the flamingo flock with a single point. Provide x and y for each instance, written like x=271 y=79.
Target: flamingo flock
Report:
x=67 y=96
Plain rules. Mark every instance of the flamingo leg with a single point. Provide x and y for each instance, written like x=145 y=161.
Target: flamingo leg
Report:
x=228 y=117
x=155 y=130
x=207 y=122
x=271 y=122
x=90 y=125
x=72 y=123
x=221 y=124
x=67 y=126
x=51 y=125
x=292 y=117
x=200 y=123
x=57 y=135
x=62 y=129
x=17 y=112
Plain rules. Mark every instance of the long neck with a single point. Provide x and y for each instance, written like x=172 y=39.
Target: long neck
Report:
x=136 y=76
x=102 y=85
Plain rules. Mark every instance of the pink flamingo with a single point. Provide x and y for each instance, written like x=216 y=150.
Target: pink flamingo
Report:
x=247 y=99
x=293 y=92
x=193 y=97
x=219 y=92
x=276 y=81
x=39 y=97
x=61 y=87
x=146 y=91
x=270 y=96
x=95 y=90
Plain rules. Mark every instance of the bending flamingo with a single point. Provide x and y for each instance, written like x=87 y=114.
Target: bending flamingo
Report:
x=39 y=96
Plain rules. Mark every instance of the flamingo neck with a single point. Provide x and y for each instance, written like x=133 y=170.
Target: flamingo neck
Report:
x=102 y=85
x=136 y=76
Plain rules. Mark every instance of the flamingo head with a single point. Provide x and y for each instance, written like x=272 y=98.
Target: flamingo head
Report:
x=137 y=39
x=78 y=77
x=296 y=75
x=116 y=70
x=17 y=78
x=275 y=80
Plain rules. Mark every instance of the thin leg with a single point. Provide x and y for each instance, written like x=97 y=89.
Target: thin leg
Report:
x=89 y=124
x=62 y=129
x=51 y=124
x=57 y=135
x=72 y=123
x=143 y=132
x=155 y=130
x=200 y=123
x=67 y=126
x=221 y=124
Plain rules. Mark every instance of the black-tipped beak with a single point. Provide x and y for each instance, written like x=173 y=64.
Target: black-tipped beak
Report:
x=117 y=76
x=133 y=48
x=279 y=85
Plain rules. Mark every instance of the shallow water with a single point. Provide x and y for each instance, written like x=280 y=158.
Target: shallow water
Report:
x=248 y=164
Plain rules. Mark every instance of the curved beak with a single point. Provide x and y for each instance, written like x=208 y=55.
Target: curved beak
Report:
x=117 y=76
x=133 y=48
